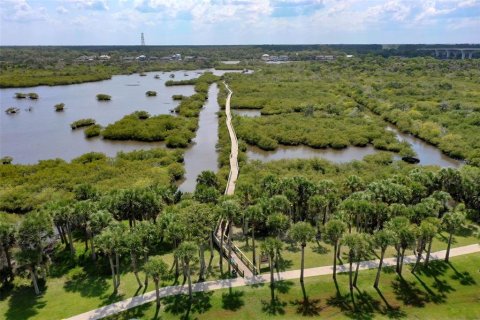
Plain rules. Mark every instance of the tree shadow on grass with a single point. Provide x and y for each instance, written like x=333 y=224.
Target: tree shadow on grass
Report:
x=180 y=305
x=320 y=249
x=86 y=285
x=409 y=293
x=364 y=308
x=464 y=278
x=307 y=307
x=389 y=310
x=274 y=307
x=283 y=286
x=24 y=303
x=135 y=313
x=284 y=264
x=233 y=300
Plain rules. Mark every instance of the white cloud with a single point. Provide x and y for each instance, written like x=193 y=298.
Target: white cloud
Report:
x=100 y=5
x=62 y=10
x=21 y=11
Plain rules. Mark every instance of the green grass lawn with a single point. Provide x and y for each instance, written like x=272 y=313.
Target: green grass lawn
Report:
x=76 y=286
x=443 y=291
x=321 y=254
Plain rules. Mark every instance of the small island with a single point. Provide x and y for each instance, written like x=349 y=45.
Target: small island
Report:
x=151 y=93
x=103 y=97
x=82 y=123
x=59 y=107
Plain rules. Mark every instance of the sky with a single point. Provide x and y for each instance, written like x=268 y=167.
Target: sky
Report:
x=210 y=22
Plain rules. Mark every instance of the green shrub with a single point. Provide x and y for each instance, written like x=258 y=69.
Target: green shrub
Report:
x=178 y=97
x=142 y=115
x=59 y=107
x=6 y=160
x=151 y=93
x=82 y=123
x=33 y=96
x=177 y=141
x=90 y=157
x=20 y=95
x=103 y=97
x=93 y=131
x=176 y=171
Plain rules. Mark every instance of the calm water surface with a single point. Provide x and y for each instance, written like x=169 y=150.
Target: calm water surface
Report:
x=427 y=153
x=44 y=134
x=305 y=152
x=202 y=155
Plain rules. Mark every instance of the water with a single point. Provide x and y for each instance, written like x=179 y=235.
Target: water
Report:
x=44 y=134
x=426 y=153
x=305 y=152
x=247 y=112
x=202 y=155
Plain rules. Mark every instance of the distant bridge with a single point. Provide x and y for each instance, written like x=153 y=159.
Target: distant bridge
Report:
x=466 y=53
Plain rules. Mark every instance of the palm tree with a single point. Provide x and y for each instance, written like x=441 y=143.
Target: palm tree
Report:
x=351 y=242
x=302 y=232
x=230 y=211
x=97 y=221
x=334 y=229
x=186 y=252
x=452 y=221
x=426 y=231
x=254 y=214
x=7 y=240
x=361 y=250
x=436 y=223
x=396 y=224
x=382 y=239
x=157 y=269
x=133 y=244
x=407 y=237
x=32 y=238
x=271 y=247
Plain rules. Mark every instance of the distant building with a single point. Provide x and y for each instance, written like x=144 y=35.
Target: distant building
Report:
x=349 y=55
x=86 y=58
x=283 y=58
x=325 y=58
x=177 y=57
x=128 y=59
x=266 y=57
x=104 y=57
x=141 y=58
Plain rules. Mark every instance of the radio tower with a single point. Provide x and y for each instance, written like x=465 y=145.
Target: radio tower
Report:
x=143 y=39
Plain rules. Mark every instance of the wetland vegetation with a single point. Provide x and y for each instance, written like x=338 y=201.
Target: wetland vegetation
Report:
x=121 y=223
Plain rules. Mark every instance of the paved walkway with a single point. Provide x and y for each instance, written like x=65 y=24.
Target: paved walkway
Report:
x=265 y=278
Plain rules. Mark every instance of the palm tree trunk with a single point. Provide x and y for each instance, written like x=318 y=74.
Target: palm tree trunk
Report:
x=92 y=246
x=117 y=263
x=339 y=250
x=157 y=293
x=33 y=274
x=379 y=271
x=70 y=240
x=202 y=262
x=350 y=279
x=302 y=263
x=254 y=254
x=397 y=247
x=272 y=279
x=135 y=269
x=221 y=247
x=356 y=273
x=189 y=281
x=211 y=250
x=419 y=256
x=229 y=248
x=145 y=257
x=245 y=231
x=60 y=232
x=114 y=279
x=447 y=255
x=8 y=258
x=401 y=261
x=427 y=258
x=335 y=261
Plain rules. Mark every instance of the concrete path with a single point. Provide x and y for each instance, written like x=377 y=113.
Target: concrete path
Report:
x=265 y=278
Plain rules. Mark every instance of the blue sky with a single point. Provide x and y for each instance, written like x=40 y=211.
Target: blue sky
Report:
x=197 y=22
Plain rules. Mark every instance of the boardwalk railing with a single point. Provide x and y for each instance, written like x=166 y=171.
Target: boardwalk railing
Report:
x=224 y=250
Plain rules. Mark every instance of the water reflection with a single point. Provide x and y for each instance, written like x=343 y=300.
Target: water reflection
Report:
x=304 y=152
x=202 y=155
x=427 y=153
x=247 y=112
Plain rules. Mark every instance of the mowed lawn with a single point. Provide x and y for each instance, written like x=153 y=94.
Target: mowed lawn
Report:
x=72 y=288
x=444 y=291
